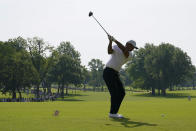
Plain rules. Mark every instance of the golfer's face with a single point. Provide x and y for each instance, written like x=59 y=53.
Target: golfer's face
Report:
x=129 y=47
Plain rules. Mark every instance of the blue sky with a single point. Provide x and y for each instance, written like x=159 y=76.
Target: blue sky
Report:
x=145 y=21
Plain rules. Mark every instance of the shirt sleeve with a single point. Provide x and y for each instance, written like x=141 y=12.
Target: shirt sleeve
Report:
x=115 y=48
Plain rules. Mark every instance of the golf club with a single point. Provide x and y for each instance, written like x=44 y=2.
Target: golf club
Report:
x=91 y=14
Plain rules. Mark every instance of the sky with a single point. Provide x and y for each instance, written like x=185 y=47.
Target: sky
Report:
x=145 y=21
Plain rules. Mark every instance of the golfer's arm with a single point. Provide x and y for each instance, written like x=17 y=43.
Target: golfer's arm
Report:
x=110 y=50
x=122 y=47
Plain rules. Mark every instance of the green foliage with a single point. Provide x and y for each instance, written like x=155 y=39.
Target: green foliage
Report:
x=67 y=67
x=124 y=76
x=137 y=71
x=86 y=76
x=159 y=67
x=37 y=49
x=16 y=71
x=25 y=63
x=190 y=79
x=96 y=68
x=66 y=48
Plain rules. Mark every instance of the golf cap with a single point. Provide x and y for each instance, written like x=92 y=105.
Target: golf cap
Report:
x=133 y=43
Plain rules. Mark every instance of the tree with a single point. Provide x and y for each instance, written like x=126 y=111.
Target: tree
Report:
x=67 y=66
x=37 y=49
x=96 y=67
x=124 y=76
x=18 y=43
x=172 y=66
x=16 y=71
x=137 y=71
x=194 y=80
x=85 y=77
x=190 y=79
x=193 y=76
x=66 y=48
x=48 y=76
x=161 y=67
x=64 y=70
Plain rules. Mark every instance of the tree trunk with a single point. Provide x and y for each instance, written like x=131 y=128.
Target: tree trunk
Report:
x=44 y=87
x=49 y=89
x=66 y=89
x=159 y=92
x=62 y=91
x=153 y=91
x=13 y=94
x=163 y=92
x=171 y=88
x=37 y=91
x=58 y=88
x=20 y=95
x=44 y=91
x=84 y=87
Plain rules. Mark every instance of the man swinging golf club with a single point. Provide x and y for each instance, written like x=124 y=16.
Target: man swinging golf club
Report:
x=120 y=54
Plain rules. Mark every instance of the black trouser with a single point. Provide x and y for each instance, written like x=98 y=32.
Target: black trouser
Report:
x=115 y=87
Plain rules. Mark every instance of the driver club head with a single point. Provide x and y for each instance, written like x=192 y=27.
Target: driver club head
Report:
x=90 y=14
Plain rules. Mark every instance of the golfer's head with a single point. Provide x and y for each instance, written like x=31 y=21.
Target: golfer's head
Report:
x=130 y=45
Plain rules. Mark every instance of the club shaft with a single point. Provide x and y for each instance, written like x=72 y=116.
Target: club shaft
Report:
x=100 y=25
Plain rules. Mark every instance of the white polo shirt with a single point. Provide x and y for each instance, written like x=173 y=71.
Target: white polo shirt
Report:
x=117 y=58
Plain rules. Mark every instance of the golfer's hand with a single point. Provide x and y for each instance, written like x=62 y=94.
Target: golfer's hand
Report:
x=111 y=38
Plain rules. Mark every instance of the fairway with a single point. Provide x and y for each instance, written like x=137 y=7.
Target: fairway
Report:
x=88 y=111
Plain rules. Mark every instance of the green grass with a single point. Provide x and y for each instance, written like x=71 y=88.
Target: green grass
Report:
x=88 y=111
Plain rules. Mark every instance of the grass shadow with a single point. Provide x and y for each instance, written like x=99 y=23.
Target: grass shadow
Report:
x=68 y=99
x=73 y=95
x=168 y=95
x=126 y=122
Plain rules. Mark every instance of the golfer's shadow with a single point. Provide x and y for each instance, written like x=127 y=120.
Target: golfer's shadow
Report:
x=126 y=122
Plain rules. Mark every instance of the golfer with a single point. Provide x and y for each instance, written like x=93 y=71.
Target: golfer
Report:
x=120 y=54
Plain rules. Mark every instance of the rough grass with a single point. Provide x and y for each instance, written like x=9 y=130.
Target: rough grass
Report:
x=88 y=111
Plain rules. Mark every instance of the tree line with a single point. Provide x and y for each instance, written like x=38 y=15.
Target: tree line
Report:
x=160 y=68
x=32 y=62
